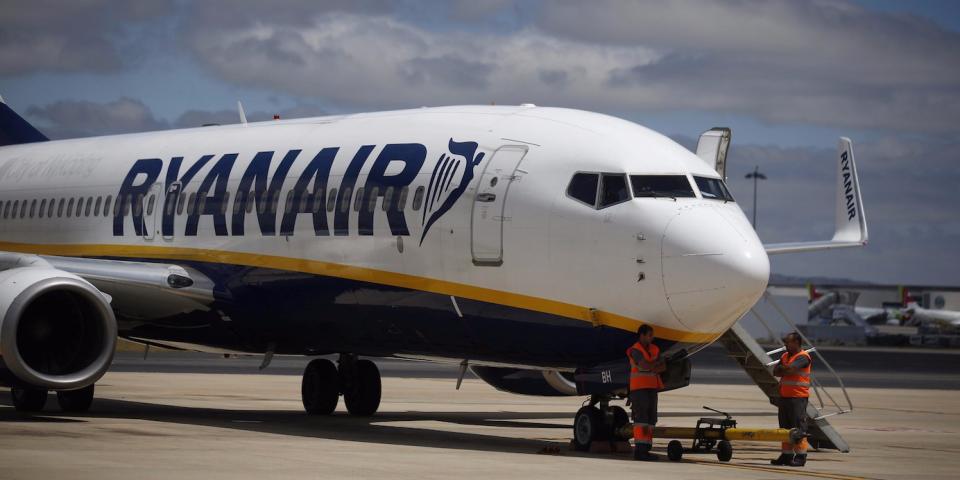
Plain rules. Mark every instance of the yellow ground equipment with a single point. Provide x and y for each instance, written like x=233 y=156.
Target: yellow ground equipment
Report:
x=713 y=433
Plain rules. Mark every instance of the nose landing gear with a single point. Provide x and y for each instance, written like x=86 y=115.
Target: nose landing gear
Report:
x=357 y=380
x=597 y=421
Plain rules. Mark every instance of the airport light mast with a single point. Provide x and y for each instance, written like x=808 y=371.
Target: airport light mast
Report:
x=755 y=175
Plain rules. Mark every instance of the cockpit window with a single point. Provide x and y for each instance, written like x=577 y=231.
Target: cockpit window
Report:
x=583 y=187
x=671 y=186
x=614 y=190
x=713 y=189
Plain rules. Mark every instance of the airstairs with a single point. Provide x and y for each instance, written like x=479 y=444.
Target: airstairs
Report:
x=758 y=364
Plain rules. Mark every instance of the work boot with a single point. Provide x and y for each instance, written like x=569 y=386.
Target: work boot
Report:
x=783 y=459
x=643 y=454
x=799 y=460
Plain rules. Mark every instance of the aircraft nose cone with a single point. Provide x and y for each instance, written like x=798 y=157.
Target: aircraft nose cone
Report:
x=713 y=270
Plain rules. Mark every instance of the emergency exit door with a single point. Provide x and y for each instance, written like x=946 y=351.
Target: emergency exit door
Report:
x=487 y=220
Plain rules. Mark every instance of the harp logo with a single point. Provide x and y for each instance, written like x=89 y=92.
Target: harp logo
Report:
x=443 y=191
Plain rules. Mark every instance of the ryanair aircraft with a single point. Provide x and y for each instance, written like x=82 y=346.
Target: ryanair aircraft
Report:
x=525 y=243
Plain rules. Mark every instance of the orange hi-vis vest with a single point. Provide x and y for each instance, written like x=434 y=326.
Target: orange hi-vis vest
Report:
x=641 y=378
x=796 y=385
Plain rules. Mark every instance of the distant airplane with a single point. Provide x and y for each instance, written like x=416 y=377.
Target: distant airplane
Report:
x=525 y=243
x=907 y=312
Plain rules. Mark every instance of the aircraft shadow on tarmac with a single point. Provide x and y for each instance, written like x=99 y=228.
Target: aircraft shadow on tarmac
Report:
x=383 y=428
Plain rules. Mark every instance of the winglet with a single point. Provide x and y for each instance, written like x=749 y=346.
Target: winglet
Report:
x=851 y=222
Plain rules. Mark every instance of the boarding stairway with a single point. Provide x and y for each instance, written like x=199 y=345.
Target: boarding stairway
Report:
x=758 y=364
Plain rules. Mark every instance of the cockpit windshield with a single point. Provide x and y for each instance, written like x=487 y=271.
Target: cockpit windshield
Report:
x=671 y=186
x=713 y=189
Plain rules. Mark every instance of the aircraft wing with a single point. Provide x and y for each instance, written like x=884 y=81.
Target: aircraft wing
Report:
x=141 y=289
x=851 y=227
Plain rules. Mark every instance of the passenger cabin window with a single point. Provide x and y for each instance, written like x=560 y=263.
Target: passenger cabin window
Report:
x=402 y=203
x=713 y=189
x=418 y=198
x=583 y=187
x=672 y=186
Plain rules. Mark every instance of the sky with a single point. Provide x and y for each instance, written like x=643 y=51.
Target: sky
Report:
x=788 y=77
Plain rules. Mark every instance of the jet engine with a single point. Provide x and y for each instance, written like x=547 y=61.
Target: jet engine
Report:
x=57 y=331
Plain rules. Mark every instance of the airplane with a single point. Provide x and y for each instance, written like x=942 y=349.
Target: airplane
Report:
x=907 y=312
x=524 y=243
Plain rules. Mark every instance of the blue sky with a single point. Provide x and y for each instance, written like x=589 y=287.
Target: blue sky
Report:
x=788 y=77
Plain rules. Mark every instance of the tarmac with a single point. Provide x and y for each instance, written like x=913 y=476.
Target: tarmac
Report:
x=162 y=424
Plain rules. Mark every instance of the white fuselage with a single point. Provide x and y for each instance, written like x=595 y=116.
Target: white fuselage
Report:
x=689 y=266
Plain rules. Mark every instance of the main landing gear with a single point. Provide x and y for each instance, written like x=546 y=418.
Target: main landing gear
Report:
x=357 y=380
x=27 y=399
x=597 y=421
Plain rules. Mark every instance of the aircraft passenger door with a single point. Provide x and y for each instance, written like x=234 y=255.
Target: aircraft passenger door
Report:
x=487 y=220
x=152 y=203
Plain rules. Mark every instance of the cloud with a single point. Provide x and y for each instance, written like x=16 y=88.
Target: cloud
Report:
x=376 y=62
x=55 y=36
x=197 y=118
x=75 y=119
x=818 y=63
x=821 y=62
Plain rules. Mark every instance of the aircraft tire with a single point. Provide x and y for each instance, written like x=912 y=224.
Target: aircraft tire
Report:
x=320 y=387
x=28 y=399
x=587 y=428
x=76 y=401
x=364 y=400
x=620 y=419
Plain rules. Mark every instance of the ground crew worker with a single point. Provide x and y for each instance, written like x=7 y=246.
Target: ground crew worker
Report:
x=794 y=372
x=645 y=382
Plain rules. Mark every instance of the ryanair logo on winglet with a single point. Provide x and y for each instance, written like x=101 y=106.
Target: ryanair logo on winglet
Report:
x=313 y=194
x=848 y=185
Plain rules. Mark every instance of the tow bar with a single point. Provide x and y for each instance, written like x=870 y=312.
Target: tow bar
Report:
x=713 y=433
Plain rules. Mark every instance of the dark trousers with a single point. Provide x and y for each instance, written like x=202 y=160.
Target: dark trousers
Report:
x=643 y=409
x=792 y=413
x=643 y=406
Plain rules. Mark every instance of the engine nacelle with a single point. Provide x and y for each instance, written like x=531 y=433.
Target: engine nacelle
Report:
x=551 y=383
x=57 y=331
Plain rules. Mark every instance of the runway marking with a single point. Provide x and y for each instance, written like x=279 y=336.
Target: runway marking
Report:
x=787 y=471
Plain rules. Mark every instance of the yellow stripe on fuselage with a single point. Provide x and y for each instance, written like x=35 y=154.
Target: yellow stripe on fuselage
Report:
x=381 y=277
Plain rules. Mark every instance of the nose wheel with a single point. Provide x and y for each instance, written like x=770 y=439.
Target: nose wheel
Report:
x=597 y=422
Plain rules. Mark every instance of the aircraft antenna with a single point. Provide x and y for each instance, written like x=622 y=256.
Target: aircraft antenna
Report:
x=243 y=116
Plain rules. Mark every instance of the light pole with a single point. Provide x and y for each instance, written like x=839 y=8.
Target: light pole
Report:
x=755 y=175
